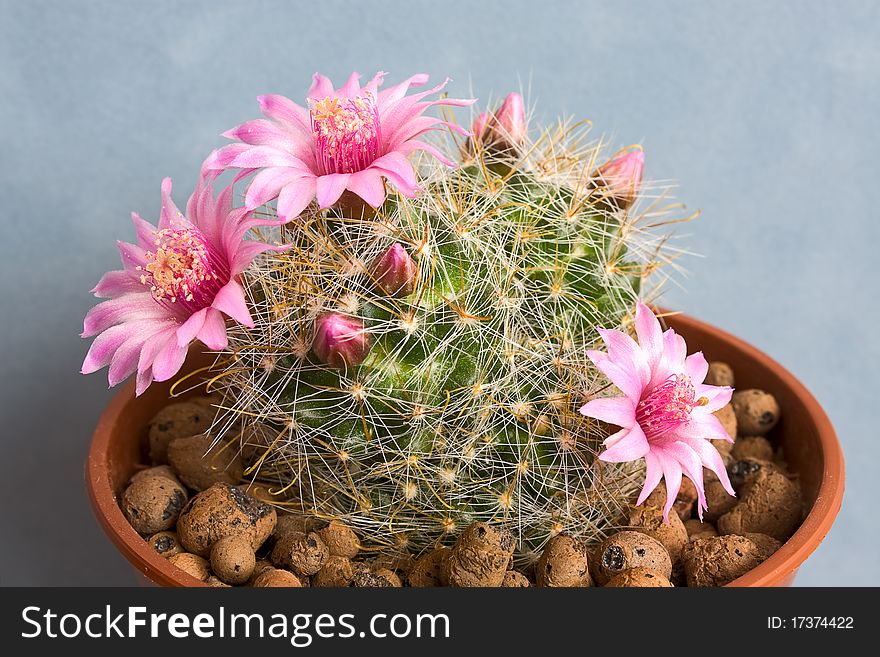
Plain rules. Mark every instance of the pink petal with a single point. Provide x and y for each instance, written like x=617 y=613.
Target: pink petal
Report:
x=258 y=157
x=125 y=360
x=247 y=251
x=672 y=475
x=261 y=132
x=281 y=108
x=352 y=86
x=169 y=215
x=625 y=353
x=132 y=257
x=373 y=85
x=294 y=197
x=650 y=334
x=653 y=474
x=104 y=346
x=615 y=410
x=369 y=186
x=191 y=327
x=329 y=188
x=267 y=184
x=718 y=396
x=398 y=169
x=213 y=332
x=708 y=454
x=414 y=145
x=321 y=87
x=145 y=232
x=398 y=91
x=136 y=306
x=230 y=300
x=696 y=367
x=168 y=361
x=116 y=283
x=672 y=358
x=631 y=447
x=692 y=466
x=628 y=382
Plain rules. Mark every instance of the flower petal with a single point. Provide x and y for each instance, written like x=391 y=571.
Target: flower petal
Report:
x=399 y=170
x=267 y=184
x=650 y=333
x=168 y=361
x=626 y=354
x=369 y=186
x=672 y=475
x=615 y=410
x=284 y=110
x=230 y=300
x=213 y=331
x=329 y=188
x=653 y=474
x=294 y=197
x=116 y=283
x=631 y=447
x=321 y=87
x=191 y=327
x=628 y=382
x=696 y=367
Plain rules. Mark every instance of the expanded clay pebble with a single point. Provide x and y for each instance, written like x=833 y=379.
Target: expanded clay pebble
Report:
x=696 y=529
x=401 y=563
x=192 y=564
x=756 y=411
x=153 y=504
x=629 y=549
x=339 y=539
x=295 y=522
x=639 y=578
x=304 y=554
x=718 y=499
x=515 y=580
x=336 y=572
x=220 y=511
x=157 y=471
x=649 y=520
x=565 y=562
x=431 y=569
x=729 y=420
x=369 y=579
x=217 y=583
x=753 y=447
x=719 y=560
x=199 y=465
x=233 y=560
x=684 y=501
x=165 y=543
x=261 y=566
x=719 y=374
x=770 y=503
x=178 y=420
x=480 y=556
x=275 y=577
x=388 y=574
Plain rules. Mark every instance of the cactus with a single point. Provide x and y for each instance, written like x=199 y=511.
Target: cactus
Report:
x=417 y=369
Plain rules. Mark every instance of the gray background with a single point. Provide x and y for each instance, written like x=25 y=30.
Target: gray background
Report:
x=766 y=112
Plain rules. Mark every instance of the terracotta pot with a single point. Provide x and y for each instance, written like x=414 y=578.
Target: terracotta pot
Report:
x=810 y=444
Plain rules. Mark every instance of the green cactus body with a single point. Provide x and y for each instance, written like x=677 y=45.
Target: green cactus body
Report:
x=466 y=406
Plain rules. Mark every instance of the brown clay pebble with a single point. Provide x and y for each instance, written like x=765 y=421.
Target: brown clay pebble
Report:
x=192 y=564
x=157 y=471
x=153 y=504
x=199 y=465
x=401 y=563
x=649 y=520
x=304 y=554
x=770 y=503
x=480 y=556
x=756 y=411
x=217 y=583
x=221 y=511
x=165 y=543
x=275 y=577
x=261 y=566
x=719 y=374
x=639 y=578
x=743 y=472
x=431 y=569
x=766 y=545
x=718 y=499
x=719 y=560
x=179 y=420
x=515 y=580
x=753 y=447
x=629 y=549
x=696 y=529
x=336 y=572
x=565 y=562
x=340 y=539
x=388 y=574
x=295 y=522
x=369 y=579
x=233 y=560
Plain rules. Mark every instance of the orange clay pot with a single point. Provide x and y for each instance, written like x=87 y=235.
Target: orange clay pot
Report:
x=811 y=450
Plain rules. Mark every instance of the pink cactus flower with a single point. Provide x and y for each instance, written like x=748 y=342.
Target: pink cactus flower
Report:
x=396 y=272
x=340 y=341
x=505 y=128
x=622 y=176
x=350 y=138
x=666 y=411
x=179 y=283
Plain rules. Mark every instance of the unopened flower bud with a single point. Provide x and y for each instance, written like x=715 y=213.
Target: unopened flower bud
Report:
x=396 y=272
x=622 y=176
x=340 y=341
x=511 y=117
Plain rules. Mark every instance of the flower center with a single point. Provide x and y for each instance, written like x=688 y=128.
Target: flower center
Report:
x=667 y=406
x=346 y=132
x=183 y=271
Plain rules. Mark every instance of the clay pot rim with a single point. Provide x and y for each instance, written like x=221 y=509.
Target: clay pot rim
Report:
x=778 y=568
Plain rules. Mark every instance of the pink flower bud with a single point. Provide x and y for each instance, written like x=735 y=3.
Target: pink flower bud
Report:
x=340 y=341
x=480 y=125
x=511 y=117
x=622 y=176
x=396 y=272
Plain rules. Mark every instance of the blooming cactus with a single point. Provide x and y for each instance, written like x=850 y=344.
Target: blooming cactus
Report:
x=179 y=283
x=350 y=138
x=665 y=413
